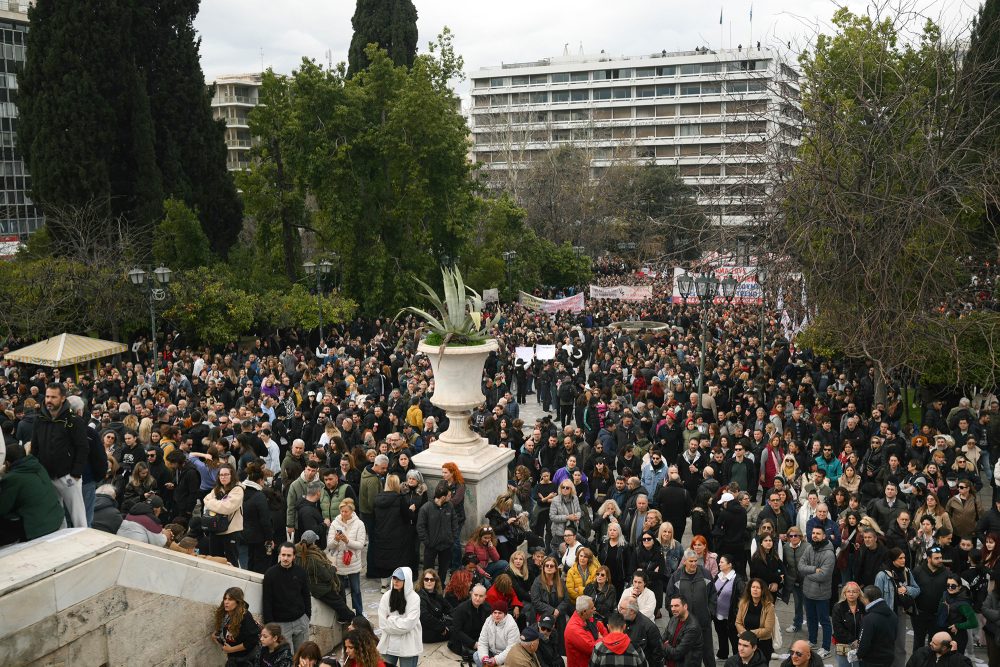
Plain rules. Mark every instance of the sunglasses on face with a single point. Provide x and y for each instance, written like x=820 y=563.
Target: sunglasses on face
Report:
x=647 y=539
x=797 y=654
x=429 y=579
x=950 y=586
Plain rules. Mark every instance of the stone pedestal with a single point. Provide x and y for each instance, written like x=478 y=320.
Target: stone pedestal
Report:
x=458 y=373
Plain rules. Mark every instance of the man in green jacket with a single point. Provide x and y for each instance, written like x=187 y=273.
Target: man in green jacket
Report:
x=297 y=491
x=26 y=493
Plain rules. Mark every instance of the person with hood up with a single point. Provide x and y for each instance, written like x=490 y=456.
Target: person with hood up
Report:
x=401 y=641
x=615 y=648
x=876 y=644
x=142 y=524
x=497 y=637
x=27 y=493
x=324 y=584
x=106 y=514
x=582 y=633
x=747 y=654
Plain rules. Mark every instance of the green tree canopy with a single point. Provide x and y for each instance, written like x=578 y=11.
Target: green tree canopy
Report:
x=389 y=24
x=180 y=242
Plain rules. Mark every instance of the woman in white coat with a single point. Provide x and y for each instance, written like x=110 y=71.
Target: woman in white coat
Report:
x=399 y=620
x=345 y=542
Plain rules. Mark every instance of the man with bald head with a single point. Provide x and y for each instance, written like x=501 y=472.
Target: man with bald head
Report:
x=941 y=652
x=800 y=655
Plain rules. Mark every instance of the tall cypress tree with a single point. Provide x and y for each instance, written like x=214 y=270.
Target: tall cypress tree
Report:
x=190 y=145
x=84 y=126
x=981 y=77
x=392 y=24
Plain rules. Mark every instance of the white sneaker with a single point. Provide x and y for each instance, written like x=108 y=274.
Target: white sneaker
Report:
x=793 y=628
x=822 y=652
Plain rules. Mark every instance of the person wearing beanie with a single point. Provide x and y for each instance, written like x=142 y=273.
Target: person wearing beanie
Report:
x=615 y=649
x=498 y=636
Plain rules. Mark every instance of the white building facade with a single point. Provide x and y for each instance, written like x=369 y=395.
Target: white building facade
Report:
x=233 y=98
x=715 y=115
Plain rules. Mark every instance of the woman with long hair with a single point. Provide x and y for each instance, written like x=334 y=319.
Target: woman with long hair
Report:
x=502 y=590
x=766 y=566
x=548 y=596
x=606 y=514
x=850 y=538
x=990 y=553
x=458 y=588
x=258 y=529
x=360 y=650
x=932 y=507
x=226 y=499
x=507 y=528
x=140 y=487
x=324 y=583
x=615 y=553
x=581 y=573
x=648 y=556
x=897 y=585
x=603 y=593
x=671 y=550
x=850 y=480
x=434 y=608
x=308 y=655
x=756 y=614
x=236 y=631
x=846 y=617
x=481 y=544
x=345 y=541
x=520 y=578
x=399 y=619
x=452 y=476
x=728 y=592
x=389 y=546
x=275 y=650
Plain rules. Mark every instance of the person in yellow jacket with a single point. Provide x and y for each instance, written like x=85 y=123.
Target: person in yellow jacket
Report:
x=414 y=415
x=582 y=573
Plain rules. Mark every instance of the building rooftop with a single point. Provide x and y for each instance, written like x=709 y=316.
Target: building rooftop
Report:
x=603 y=57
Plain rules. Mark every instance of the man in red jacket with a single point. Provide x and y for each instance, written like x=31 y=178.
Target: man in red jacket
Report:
x=582 y=633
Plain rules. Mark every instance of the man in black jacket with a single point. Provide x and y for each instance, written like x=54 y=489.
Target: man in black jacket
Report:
x=682 y=638
x=437 y=528
x=642 y=633
x=187 y=484
x=941 y=652
x=932 y=578
x=467 y=621
x=878 y=631
x=285 y=597
x=59 y=441
x=747 y=654
x=674 y=502
x=309 y=516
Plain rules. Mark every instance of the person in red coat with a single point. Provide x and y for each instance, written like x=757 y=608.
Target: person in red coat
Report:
x=502 y=590
x=582 y=633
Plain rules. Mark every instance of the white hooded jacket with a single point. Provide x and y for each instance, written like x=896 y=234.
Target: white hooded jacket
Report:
x=401 y=633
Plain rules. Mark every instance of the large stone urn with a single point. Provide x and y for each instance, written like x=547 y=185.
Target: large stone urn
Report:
x=458 y=373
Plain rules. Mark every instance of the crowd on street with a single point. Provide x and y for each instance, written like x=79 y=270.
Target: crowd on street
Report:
x=645 y=522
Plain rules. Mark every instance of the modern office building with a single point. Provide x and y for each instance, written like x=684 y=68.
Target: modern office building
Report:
x=715 y=115
x=19 y=216
x=235 y=95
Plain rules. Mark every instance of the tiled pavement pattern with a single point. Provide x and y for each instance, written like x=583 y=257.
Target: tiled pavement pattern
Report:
x=438 y=655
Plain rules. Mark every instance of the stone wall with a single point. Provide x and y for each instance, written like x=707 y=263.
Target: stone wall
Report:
x=89 y=598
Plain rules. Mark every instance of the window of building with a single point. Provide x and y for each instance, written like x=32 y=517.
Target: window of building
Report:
x=666 y=70
x=690 y=89
x=690 y=170
x=665 y=130
x=560 y=116
x=734 y=128
x=560 y=96
x=579 y=76
x=645 y=152
x=690 y=109
x=621 y=93
x=645 y=112
x=539 y=98
x=665 y=151
x=692 y=130
x=756 y=86
x=499 y=100
x=602 y=94
x=665 y=111
x=538 y=79
x=645 y=131
x=690 y=69
x=561 y=135
x=666 y=90
x=579 y=96
x=711 y=149
x=757 y=127
x=625 y=73
x=601 y=74
x=602 y=114
x=519 y=80
x=560 y=77
x=711 y=170
x=519 y=98
x=602 y=133
x=687 y=150
x=539 y=116
x=711 y=129
x=622 y=133
x=645 y=91
x=711 y=68
x=478 y=83
x=580 y=114
x=580 y=134
x=621 y=113
x=736 y=87
x=711 y=88
x=711 y=108
x=643 y=72
x=479 y=101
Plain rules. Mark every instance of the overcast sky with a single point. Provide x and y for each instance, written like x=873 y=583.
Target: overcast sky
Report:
x=235 y=33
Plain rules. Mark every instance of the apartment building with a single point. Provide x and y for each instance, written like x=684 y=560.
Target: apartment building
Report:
x=19 y=216
x=715 y=115
x=234 y=96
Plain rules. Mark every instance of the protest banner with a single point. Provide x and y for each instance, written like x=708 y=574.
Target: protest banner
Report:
x=622 y=292
x=573 y=304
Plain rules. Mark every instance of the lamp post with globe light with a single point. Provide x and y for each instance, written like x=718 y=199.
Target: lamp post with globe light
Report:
x=154 y=282
x=705 y=287
x=318 y=270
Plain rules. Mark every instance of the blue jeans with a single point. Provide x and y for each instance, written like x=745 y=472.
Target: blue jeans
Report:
x=818 y=613
x=496 y=568
x=353 y=581
x=89 y=496
x=842 y=661
x=410 y=661
x=799 y=614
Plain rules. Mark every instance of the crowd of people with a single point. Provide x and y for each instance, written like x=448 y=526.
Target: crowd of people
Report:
x=639 y=526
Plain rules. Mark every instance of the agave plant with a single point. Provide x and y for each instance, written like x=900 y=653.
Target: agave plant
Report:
x=460 y=317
